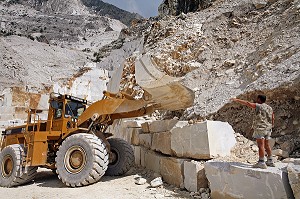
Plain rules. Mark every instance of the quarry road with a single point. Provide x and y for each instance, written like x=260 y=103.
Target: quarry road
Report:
x=47 y=185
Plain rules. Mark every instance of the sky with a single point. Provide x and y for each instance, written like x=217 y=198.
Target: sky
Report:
x=146 y=8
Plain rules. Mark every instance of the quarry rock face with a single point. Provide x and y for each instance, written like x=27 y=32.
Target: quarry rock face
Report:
x=175 y=7
x=90 y=85
x=15 y=101
x=203 y=140
x=208 y=50
x=238 y=180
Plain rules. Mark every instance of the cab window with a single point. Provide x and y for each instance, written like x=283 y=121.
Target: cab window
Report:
x=58 y=110
x=74 y=109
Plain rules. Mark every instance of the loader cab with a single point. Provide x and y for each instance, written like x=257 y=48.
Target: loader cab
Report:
x=64 y=111
x=74 y=109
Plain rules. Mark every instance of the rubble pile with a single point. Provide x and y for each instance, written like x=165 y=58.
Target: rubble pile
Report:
x=128 y=82
x=173 y=44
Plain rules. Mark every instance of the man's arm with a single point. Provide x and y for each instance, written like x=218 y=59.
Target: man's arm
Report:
x=243 y=102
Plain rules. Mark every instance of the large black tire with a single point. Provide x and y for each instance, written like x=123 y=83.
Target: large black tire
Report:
x=123 y=158
x=12 y=173
x=82 y=159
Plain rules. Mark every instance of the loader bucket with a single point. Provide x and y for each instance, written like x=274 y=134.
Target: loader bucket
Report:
x=168 y=93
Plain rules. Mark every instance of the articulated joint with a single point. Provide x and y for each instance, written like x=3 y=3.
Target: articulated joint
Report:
x=95 y=117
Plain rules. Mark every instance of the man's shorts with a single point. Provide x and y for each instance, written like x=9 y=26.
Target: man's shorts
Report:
x=262 y=134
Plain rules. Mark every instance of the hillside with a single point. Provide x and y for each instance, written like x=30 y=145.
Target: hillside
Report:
x=38 y=41
x=222 y=49
x=79 y=7
x=234 y=49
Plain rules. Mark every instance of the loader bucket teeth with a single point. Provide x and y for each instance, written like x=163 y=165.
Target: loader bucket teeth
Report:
x=168 y=93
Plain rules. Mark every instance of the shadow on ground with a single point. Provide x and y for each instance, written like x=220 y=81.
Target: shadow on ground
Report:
x=47 y=178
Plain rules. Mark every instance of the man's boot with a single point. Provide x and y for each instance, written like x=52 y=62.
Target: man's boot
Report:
x=270 y=162
x=260 y=164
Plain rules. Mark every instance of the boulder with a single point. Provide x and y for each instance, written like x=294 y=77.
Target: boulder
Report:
x=137 y=155
x=194 y=176
x=162 y=142
x=156 y=182
x=143 y=154
x=238 y=180
x=125 y=128
x=118 y=130
x=158 y=126
x=280 y=153
x=287 y=146
x=171 y=170
x=140 y=181
x=132 y=123
x=292 y=160
x=294 y=178
x=145 y=140
x=152 y=161
x=203 y=140
x=135 y=139
x=167 y=92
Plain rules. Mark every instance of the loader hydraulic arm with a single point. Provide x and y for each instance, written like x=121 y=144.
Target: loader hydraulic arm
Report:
x=115 y=106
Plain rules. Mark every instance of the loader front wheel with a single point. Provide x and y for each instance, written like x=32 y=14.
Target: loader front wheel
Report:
x=12 y=172
x=122 y=157
x=82 y=159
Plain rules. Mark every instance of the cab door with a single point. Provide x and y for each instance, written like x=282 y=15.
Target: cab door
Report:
x=56 y=116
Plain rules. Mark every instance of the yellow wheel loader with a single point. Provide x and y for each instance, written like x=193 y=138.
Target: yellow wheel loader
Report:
x=73 y=140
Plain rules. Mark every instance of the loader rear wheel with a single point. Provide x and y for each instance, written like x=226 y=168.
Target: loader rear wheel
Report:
x=12 y=173
x=82 y=159
x=122 y=157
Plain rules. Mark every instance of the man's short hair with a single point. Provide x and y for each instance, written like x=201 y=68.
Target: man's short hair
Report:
x=262 y=98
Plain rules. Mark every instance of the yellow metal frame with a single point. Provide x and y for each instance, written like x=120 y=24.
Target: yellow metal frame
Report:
x=40 y=137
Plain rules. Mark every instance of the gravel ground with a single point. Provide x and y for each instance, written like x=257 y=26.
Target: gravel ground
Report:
x=47 y=185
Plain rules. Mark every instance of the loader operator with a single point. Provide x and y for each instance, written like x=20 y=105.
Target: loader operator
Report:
x=262 y=126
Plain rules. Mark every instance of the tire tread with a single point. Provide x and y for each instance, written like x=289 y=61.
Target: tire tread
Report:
x=100 y=162
x=20 y=177
x=127 y=157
